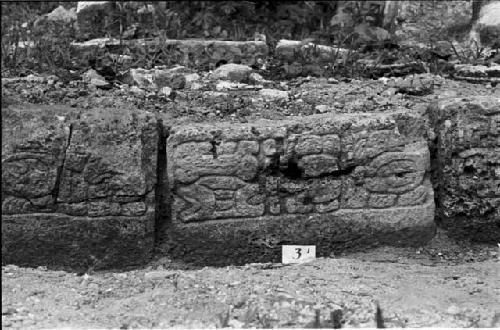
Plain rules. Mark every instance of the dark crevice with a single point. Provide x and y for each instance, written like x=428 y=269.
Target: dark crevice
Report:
x=341 y=173
x=213 y=149
x=469 y=169
x=57 y=184
x=162 y=202
x=348 y=170
x=274 y=166
x=219 y=63
x=292 y=169
x=435 y=173
x=307 y=199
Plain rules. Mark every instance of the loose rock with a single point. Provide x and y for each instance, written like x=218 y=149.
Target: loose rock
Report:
x=62 y=14
x=232 y=72
x=95 y=79
x=274 y=94
x=165 y=91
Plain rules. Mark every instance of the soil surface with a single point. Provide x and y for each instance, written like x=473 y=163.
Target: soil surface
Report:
x=443 y=284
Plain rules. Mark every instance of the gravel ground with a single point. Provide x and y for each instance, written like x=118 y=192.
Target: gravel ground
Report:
x=442 y=284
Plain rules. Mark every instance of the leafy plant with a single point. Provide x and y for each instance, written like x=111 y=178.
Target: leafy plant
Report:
x=33 y=43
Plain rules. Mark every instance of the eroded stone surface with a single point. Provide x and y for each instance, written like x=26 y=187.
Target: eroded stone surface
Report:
x=288 y=50
x=468 y=173
x=307 y=58
x=81 y=181
x=336 y=173
x=195 y=53
x=478 y=73
x=232 y=72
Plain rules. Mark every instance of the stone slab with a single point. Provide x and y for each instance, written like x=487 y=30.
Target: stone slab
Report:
x=72 y=174
x=468 y=166
x=195 y=53
x=290 y=50
x=341 y=171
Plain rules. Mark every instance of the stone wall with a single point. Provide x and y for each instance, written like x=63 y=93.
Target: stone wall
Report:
x=91 y=188
x=468 y=168
x=78 y=188
x=195 y=53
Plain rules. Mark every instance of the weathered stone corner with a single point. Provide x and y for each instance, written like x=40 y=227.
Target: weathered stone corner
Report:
x=78 y=188
x=468 y=166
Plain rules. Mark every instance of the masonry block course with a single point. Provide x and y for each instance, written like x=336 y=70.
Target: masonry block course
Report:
x=336 y=173
x=98 y=187
x=81 y=181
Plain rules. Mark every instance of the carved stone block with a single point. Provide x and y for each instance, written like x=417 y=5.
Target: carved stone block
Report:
x=78 y=186
x=321 y=167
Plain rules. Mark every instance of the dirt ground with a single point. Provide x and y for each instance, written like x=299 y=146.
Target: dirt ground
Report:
x=443 y=284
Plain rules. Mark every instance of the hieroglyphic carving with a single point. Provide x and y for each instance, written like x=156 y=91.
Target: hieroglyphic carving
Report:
x=306 y=170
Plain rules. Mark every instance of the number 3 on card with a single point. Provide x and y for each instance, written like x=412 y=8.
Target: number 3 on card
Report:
x=294 y=254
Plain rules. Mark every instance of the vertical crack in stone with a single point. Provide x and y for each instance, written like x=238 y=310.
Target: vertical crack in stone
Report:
x=340 y=165
x=60 y=169
x=435 y=172
x=213 y=149
x=215 y=141
x=162 y=197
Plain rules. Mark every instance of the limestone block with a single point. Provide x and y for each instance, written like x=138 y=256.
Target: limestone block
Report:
x=193 y=53
x=468 y=148
x=83 y=6
x=477 y=73
x=291 y=50
x=62 y=14
x=331 y=173
x=232 y=72
x=78 y=186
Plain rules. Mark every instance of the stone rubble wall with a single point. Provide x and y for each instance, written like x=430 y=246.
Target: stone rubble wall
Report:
x=91 y=188
x=468 y=166
x=292 y=58
x=194 y=53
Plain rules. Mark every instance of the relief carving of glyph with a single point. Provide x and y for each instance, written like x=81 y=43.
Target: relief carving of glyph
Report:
x=317 y=167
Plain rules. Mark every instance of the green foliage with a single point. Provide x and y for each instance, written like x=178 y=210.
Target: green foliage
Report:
x=347 y=24
x=32 y=43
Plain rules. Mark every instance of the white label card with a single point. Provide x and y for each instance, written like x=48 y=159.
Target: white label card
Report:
x=296 y=254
